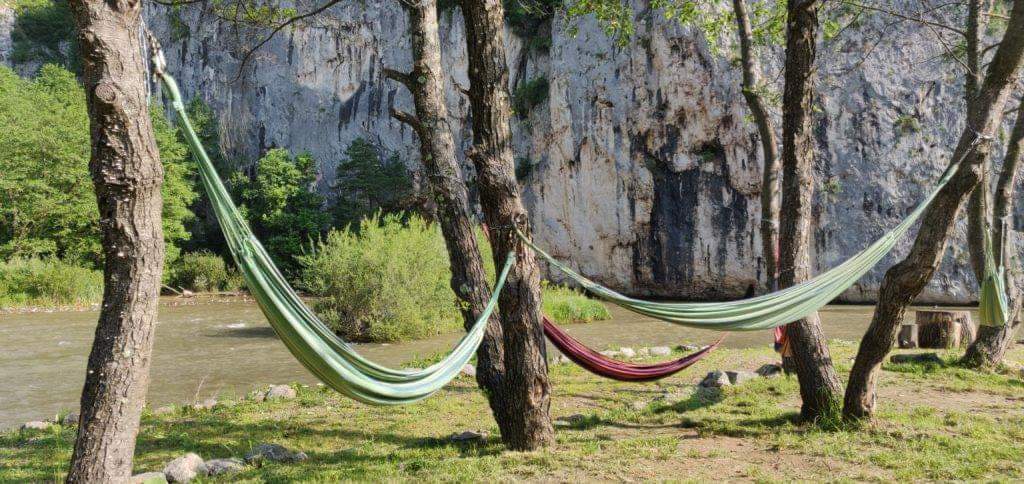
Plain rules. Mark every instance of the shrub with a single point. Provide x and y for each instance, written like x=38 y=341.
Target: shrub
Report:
x=47 y=282
x=566 y=305
x=529 y=95
x=386 y=281
x=204 y=272
x=390 y=281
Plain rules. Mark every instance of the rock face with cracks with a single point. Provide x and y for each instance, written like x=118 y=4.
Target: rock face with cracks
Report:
x=638 y=163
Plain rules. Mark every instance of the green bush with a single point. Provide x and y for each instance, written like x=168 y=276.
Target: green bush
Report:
x=389 y=280
x=529 y=95
x=203 y=272
x=386 y=281
x=47 y=282
x=566 y=305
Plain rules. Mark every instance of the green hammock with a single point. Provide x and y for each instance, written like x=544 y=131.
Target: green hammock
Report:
x=332 y=360
x=798 y=301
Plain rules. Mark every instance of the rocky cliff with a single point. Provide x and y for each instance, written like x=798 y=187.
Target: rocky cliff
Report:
x=639 y=165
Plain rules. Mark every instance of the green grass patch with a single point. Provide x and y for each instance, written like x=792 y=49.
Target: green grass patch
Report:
x=568 y=305
x=622 y=431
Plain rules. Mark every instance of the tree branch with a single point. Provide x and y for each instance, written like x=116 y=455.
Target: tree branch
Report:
x=409 y=119
x=405 y=78
x=905 y=17
x=248 y=55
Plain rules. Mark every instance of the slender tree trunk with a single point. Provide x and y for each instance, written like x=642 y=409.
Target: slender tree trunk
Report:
x=904 y=281
x=978 y=216
x=819 y=384
x=992 y=342
x=769 y=145
x=127 y=175
x=437 y=150
x=527 y=397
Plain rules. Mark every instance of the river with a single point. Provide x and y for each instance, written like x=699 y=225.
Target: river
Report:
x=214 y=348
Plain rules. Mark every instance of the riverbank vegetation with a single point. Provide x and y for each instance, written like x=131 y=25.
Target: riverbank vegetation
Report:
x=387 y=279
x=937 y=422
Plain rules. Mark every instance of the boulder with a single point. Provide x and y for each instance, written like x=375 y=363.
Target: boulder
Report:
x=185 y=468
x=217 y=467
x=36 y=425
x=468 y=436
x=627 y=352
x=149 y=478
x=687 y=348
x=661 y=351
x=207 y=404
x=917 y=358
x=468 y=370
x=273 y=453
x=716 y=379
x=69 y=420
x=280 y=392
x=739 y=376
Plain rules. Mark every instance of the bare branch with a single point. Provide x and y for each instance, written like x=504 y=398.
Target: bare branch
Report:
x=458 y=87
x=905 y=17
x=409 y=119
x=278 y=28
x=405 y=78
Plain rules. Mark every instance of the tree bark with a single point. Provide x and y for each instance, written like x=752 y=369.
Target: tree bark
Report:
x=904 y=281
x=769 y=145
x=527 y=397
x=127 y=176
x=978 y=215
x=819 y=384
x=990 y=346
x=437 y=150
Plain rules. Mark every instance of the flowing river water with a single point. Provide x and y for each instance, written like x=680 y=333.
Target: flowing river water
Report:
x=209 y=348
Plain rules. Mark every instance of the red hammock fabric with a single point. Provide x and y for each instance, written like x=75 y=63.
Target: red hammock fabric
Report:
x=601 y=365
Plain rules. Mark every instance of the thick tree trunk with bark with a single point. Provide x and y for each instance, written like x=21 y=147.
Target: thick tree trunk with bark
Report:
x=769 y=145
x=904 y=281
x=437 y=150
x=819 y=384
x=527 y=390
x=992 y=342
x=127 y=176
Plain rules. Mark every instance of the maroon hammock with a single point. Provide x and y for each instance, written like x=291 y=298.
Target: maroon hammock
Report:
x=601 y=365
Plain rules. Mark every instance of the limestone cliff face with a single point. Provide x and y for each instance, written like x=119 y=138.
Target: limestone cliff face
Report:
x=639 y=166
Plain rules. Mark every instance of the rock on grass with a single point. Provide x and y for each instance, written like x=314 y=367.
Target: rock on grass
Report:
x=36 y=425
x=149 y=478
x=280 y=392
x=273 y=453
x=185 y=468
x=217 y=467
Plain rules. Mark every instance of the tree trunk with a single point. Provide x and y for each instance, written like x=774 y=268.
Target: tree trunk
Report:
x=527 y=397
x=127 y=176
x=978 y=215
x=769 y=146
x=819 y=384
x=990 y=346
x=437 y=150
x=904 y=281
x=944 y=329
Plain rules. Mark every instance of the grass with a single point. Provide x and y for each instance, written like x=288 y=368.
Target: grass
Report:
x=566 y=305
x=658 y=431
x=47 y=282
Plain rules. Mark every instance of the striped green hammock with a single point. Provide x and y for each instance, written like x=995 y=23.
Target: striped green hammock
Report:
x=332 y=360
x=801 y=300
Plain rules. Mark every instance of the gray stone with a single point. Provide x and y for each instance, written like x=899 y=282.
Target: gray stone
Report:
x=36 y=425
x=69 y=420
x=185 y=468
x=687 y=348
x=164 y=410
x=638 y=405
x=627 y=352
x=149 y=478
x=561 y=360
x=468 y=436
x=716 y=379
x=611 y=354
x=468 y=370
x=207 y=404
x=281 y=392
x=570 y=420
x=273 y=453
x=770 y=370
x=917 y=358
x=661 y=351
x=217 y=467
x=739 y=376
